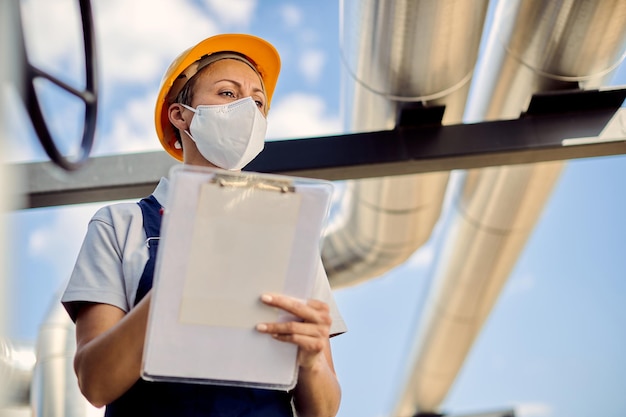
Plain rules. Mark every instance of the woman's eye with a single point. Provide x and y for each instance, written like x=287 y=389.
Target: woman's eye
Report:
x=228 y=94
x=259 y=104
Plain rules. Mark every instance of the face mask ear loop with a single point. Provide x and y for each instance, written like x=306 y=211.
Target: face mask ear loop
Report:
x=186 y=131
x=188 y=134
x=188 y=107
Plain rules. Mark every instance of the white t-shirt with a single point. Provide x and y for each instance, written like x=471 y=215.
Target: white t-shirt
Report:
x=114 y=254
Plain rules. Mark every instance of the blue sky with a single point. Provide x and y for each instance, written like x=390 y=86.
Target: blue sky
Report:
x=554 y=342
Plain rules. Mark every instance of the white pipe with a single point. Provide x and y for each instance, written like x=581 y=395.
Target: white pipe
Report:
x=55 y=391
x=16 y=370
x=392 y=54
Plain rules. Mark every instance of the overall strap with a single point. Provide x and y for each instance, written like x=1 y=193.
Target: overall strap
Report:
x=151 y=211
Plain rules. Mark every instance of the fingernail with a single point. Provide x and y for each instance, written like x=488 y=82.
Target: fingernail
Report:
x=267 y=298
x=261 y=327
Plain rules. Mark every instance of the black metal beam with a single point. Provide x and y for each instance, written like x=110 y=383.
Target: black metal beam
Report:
x=104 y=178
x=546 y=132
x=537 y=136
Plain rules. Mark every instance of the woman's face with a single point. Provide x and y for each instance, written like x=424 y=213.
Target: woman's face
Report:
x=222 y=82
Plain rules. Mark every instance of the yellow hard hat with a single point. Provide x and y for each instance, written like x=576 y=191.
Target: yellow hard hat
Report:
x=260 y=52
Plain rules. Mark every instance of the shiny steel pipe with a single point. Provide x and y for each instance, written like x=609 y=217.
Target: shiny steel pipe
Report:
x=534 y=46
x=392 y=54
x=16 y=370
x=420 y=51
x=547 y=45
x=55 y=391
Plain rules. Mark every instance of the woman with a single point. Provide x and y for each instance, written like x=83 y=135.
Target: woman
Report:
x=210 y=112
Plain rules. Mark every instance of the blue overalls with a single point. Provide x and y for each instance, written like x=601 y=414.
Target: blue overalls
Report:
x=156 y=399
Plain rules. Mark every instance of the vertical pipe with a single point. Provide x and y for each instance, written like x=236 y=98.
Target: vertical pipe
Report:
x=54 y=391
x=13 y=372
x=392 y=54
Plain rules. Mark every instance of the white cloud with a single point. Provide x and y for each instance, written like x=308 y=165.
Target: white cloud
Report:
x=135 y=43
x=23 y=144
x=138 y=39
x=64 y=115
x=301 y=115
x=533 y=410
x=233 y=12
x=132 y=128
x=312 y=63
x=292 y=16
x=53 y=35
x=66 y=226
x=134 y=40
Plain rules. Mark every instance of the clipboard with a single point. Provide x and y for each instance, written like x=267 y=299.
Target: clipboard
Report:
x=227 y=238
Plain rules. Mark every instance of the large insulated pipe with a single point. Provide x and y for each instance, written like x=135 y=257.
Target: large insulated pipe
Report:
x=534 y=46
x=396 y=52
x=17 y=361
x=55 y=391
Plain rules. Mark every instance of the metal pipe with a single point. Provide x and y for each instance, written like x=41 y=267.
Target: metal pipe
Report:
x=55 y=391
x=395 y=52
x=16 y=370
x=534 y=46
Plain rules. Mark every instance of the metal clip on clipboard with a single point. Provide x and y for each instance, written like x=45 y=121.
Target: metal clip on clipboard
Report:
x=252 y=181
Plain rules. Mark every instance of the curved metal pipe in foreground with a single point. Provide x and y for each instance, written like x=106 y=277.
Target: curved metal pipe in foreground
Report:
x=492 y=220
x=388 y=220
x=395 y=52
x=534 y=46
x=16 y=371
x=55 y=391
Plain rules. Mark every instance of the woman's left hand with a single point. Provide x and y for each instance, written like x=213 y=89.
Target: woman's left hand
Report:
x=310 y=335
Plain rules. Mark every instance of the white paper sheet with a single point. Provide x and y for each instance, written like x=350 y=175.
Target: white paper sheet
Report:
x=234 y=257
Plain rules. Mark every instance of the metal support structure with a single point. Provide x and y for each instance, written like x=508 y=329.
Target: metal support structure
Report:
x=502 y=413
x=539 y=135
x=499 y=413
x=557 y=126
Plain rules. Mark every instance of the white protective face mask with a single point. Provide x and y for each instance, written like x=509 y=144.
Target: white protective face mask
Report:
x=228 y=135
